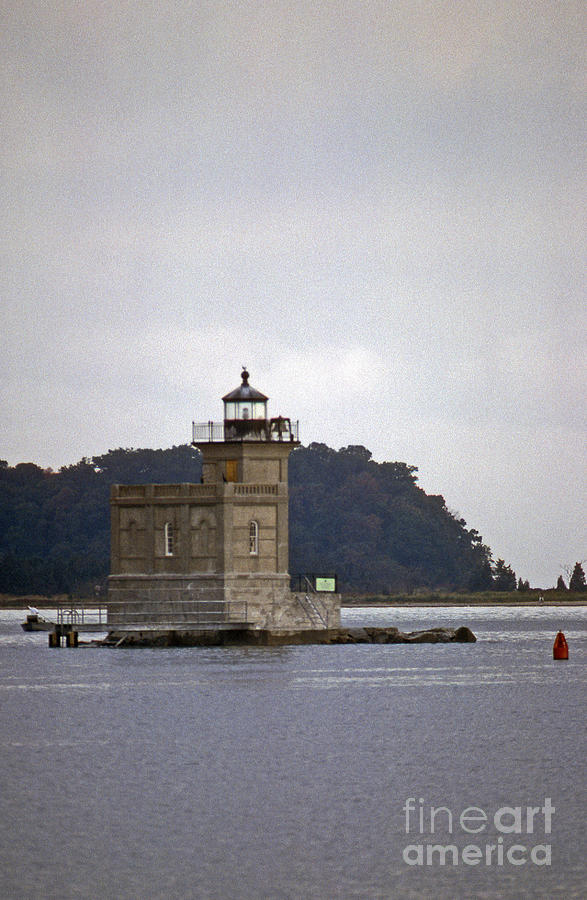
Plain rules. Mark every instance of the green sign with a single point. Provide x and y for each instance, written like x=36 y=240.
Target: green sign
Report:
x=325 y=584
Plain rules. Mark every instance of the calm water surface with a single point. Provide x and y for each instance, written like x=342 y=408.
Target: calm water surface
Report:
x=282 y=773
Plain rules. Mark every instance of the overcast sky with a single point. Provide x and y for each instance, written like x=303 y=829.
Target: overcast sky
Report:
x=377 y=206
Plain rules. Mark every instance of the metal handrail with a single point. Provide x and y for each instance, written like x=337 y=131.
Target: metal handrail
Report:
x=261 y=430
x=301 y=581
x=76 y=614
x=313 y=610
x=226 y=611
x=314 y=607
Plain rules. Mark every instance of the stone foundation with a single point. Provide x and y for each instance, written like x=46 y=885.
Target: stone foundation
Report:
x=259 y=601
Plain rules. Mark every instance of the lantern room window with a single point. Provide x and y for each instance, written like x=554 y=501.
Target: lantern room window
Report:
x=245 y=409
x=244 y=403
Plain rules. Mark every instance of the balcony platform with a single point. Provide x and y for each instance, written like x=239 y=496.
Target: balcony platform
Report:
x=280 y=430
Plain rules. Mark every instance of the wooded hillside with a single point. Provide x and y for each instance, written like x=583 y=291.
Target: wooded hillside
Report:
x=368 y=522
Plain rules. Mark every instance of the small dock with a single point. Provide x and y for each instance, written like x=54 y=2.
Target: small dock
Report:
x=71 y=621
x=145 y=623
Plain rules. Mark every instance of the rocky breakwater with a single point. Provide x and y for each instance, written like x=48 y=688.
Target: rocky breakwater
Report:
x=367 y=635
x=266 y=638
x=364 y=635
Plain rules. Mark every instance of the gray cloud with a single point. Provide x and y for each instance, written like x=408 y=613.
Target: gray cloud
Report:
x=376 y=206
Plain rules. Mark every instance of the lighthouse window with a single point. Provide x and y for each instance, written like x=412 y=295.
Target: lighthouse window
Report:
x=169 y=539
x=254 y=538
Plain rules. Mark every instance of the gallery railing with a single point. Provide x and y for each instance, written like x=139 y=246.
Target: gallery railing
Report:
x=279 y=429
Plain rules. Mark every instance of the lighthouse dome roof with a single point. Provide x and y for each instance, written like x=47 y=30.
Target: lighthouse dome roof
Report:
x=245 y=391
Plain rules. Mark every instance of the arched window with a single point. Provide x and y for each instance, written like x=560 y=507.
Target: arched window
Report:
x=169 y=536
x=254 y=538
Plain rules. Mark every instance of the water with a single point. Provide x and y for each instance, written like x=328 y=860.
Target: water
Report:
x=282 y=772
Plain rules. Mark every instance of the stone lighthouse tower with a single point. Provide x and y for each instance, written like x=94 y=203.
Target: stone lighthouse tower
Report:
x=245 y=458
x=215 y=554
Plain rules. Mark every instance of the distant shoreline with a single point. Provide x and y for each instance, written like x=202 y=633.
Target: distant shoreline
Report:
x=442 y=604
x=432 y=599
x=426 y=602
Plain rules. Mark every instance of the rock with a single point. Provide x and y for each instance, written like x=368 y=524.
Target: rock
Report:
x=431 y=636
x=464 y=635
x=359 y=635
x=268 y=638
x=384 y=635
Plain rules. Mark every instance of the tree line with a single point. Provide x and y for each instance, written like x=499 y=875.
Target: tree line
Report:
x=369 y=522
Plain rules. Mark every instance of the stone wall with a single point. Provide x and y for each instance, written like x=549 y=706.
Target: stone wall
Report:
x=188 y=555
x=210 y=523
x=262 y=601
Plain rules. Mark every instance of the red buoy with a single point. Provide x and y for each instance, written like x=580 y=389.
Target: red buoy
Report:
x=560 y=649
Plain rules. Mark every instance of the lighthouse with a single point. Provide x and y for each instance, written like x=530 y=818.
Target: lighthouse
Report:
x=187 y=557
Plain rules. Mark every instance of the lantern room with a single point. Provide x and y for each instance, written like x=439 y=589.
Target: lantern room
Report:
x=245 y=419
x=245 y=402
x=245 y=412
